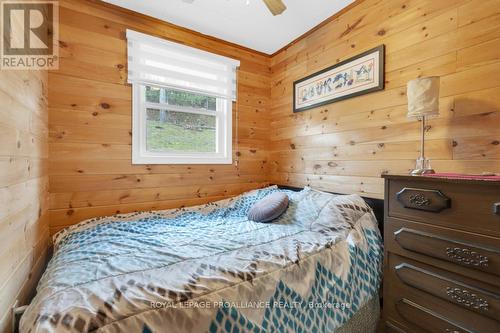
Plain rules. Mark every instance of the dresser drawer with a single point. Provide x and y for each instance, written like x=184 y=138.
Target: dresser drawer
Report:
x=462 y=252
x=467 y=207
x=427 y=319
x=391 y=328
x=466 y=293
x=457 y=251
x=418 y=299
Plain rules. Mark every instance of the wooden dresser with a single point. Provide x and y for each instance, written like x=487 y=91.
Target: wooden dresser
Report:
x=442 y=255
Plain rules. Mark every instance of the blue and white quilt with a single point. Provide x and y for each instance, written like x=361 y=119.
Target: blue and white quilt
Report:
x=209 y=269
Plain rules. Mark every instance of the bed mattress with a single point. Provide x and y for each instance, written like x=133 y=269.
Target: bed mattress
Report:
x=209 y=269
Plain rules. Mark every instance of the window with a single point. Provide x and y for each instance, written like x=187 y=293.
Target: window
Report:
x=182 y=102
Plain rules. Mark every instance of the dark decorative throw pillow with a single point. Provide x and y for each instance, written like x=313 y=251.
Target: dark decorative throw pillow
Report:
x=268 y=208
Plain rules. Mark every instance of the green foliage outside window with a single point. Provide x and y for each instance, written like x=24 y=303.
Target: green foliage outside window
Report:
x=169 y=130
x=180 y=98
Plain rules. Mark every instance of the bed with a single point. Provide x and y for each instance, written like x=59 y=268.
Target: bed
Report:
x=317 y=268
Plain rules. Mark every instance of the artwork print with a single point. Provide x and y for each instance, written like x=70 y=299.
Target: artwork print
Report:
x=356 y=76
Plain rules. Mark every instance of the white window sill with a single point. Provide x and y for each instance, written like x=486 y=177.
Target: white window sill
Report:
x=180 y=160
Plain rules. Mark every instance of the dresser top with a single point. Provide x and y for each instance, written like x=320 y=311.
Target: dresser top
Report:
x=451 y=179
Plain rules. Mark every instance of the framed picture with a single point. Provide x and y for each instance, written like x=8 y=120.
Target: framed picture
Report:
x=355 y=76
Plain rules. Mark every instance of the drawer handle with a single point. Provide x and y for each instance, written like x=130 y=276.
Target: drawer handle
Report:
x=423 y=199
x=419 y=200
x=466 y=298
x=452 y=331
x=496 y=208
x=466 y=257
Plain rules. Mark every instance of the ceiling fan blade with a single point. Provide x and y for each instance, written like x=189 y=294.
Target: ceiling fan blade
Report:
x=275 y=6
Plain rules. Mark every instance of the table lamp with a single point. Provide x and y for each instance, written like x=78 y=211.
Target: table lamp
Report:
x=423 y=102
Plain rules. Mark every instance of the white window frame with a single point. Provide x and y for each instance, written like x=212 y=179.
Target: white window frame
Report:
x=140 y=154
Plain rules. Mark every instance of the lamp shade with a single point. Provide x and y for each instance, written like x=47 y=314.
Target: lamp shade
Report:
x=423 y=97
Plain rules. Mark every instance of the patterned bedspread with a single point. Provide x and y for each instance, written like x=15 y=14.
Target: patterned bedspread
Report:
x=209 y=269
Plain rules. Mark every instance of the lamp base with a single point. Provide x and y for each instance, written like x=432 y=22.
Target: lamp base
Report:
x=418 y=172
x=423 y=167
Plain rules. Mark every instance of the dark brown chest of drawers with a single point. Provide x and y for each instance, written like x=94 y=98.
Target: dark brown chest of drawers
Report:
x=442 y=255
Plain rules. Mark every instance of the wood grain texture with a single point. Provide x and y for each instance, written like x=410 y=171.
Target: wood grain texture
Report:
x=437 y=258
x=24 y=200
x=80 y=149
x=90 y=122
x=345 y=146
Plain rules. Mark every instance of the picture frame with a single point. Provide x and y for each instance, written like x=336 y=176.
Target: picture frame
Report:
x=358 y=75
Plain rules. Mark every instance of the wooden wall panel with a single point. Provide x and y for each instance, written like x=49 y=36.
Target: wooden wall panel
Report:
x=80 y=149
x=342 y=147
x=345 y=146
x=24 y=230
x=90 y=122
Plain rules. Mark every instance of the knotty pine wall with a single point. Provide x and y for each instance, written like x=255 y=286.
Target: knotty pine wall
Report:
x=342 y=147
x=90 y=122
x=24 y=227
x=85 y=151
x=345 y=146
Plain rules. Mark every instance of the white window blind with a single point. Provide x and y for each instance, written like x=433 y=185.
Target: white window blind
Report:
x=156 y=61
